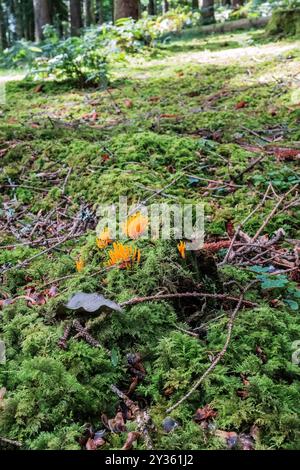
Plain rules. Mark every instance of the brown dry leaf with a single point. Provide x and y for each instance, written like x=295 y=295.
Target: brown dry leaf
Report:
x=246 y=442
x=131 y=439
x=259 y=352
x=154 y=99
x=168 y=391
x=128 y=103
x=241 y=104
x=230 y=438
x=243 y=394
x=117 y=424
x=169 y=116
x=255 y=432
x=93 y=444
x=204 y=413
x=38 y=88
x=105 y=157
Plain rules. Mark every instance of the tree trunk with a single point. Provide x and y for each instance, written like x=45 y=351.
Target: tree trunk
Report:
x=195 y=4
x=236 y=4
x=126 y=9
x=3 y=28
x=152 y=7
x=99 y=12
x=207 y=11
x=76 y=17
x=88 y=12
x=42 y=17
x=17 y=13
x=165 y=6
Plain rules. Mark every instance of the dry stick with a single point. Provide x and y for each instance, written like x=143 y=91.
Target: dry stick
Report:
x=153 y=298
x=242 y=224
x=274 y=210
x=23 y=263
x=186 y=331
x=142 y=418
x=252 y=165
x=220 y=355
x=9 y=441
x=66 y=180
x=31 y=188
x=256 y=134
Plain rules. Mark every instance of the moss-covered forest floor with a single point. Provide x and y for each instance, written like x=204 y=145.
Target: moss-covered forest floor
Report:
x=213 y=120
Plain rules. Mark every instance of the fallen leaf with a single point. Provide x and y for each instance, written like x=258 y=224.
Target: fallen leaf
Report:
x=131 y=439
x=230 y=229
x=204 y=414
x=154 y=99
x=230 y=438
x=128 y=103
x=242 y=394
x=259 y=352
x=93 y=444
x=245 y=442
x=117 y=424
x=105 y=157
x=241 y=104
x=38 y=88
x=91 y=303
x=169 y=116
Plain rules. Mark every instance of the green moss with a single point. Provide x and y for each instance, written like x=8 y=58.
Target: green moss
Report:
x=284 y=22
x=184 y=124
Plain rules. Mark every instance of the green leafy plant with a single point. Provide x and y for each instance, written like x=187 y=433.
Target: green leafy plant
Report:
x=75 y=60
x=279 y=285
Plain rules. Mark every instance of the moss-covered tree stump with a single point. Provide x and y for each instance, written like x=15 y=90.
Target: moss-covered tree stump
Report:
x=284 y=22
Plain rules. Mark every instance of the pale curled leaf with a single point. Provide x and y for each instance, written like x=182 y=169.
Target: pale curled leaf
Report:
x=91 y=303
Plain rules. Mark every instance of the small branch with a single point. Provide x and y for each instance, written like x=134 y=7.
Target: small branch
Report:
x=10 y=442
x=154 y=298
x=142 y=418
x=273 y=211
x=220 y=355
x=242 y=224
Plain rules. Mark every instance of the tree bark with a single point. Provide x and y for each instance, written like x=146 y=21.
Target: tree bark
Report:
x=195 y=4
x=17 y=13
x=152 y=7
x=207 y=11
x=3 y=28
x=42 y=17
x=165 y=6
x=99 y=12
x=126 y=9
x=76 y=17
x=236 y=4
x=88 y=12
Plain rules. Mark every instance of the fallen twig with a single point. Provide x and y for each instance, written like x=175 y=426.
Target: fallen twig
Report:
x=160 y=297
x=220 y=355
x=10 y=442
x=141 y=417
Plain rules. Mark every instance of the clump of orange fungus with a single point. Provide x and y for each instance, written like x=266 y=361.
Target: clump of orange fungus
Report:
x=135 y=226
x=124 y=256
x=80 y=265
x=104 y=239
x=182 y=249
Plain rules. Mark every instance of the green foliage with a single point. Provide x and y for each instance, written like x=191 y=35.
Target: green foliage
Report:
x=76 y=60
x=278 y=286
